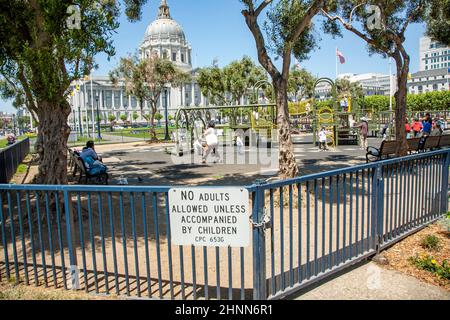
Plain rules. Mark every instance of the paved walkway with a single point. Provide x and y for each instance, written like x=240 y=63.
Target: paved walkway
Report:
x=144 y=164
x=371 y=282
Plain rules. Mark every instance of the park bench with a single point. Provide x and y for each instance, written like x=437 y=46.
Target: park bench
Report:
x=431 y=143
x=386 y=149
x=414 y=145
x=444 y=142
x=78 y=165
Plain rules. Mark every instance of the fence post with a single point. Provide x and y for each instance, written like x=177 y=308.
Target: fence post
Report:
x=377 y=206
x=444 y=187
x=3 y=168
x=70 y=227
x=259 y=243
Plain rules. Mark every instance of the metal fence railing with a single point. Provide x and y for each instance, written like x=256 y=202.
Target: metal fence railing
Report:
x=11 y=157
x=116 y=240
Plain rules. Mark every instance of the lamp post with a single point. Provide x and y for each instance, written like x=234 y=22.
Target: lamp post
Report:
x=166 y=115
x=79 y=121
x=14 y=124
x=98 y=118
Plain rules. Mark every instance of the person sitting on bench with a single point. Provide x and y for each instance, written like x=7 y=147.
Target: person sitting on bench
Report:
x=92 y=160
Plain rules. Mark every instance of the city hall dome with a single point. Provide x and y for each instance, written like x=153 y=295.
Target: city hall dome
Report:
x=165 y=38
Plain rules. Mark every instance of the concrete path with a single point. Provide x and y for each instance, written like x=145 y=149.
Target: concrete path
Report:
x=371 y=282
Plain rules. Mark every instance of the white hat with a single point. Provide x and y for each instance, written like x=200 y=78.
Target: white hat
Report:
x=364 y=119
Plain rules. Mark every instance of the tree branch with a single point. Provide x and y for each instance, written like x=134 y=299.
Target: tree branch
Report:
x=360 y=34
x=262 y=6
x=263 y=57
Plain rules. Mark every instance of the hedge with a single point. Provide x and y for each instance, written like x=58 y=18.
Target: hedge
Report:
x=437 y=100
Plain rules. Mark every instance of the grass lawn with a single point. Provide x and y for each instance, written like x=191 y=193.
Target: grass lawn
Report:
x=141 y=133
x=4 y=142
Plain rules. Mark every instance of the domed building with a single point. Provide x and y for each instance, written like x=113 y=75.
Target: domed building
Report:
x=164 y=37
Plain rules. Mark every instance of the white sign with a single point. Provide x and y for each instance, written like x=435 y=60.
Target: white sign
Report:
x=213 y=217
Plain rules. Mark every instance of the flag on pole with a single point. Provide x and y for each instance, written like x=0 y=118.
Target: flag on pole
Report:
x=340 y=56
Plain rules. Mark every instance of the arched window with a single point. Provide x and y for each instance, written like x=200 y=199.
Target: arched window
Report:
x=165 y=54
x=174 y=56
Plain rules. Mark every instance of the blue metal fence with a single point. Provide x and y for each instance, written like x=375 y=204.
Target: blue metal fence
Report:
x=116 y=240
x=11 y=157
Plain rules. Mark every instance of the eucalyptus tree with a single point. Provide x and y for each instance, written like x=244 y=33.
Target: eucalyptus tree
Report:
x=146 y=79
x=289 y=32
x=45 y=46
x=382 y=25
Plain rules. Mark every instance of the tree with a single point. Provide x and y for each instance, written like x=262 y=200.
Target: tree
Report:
x=383 y=26
x=438 y=21
x=112 y=121
x=301 y=83
x=135 y=116
x=123 y=117
x=289 y=30
x=228 y=85
x=146 y=79
x=347 y=89
x=46 y=45
x=159 y=117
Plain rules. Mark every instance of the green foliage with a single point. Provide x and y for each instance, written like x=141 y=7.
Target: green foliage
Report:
x=431 y=242
x=228 y=85
x=323 y=104
x=135 y=116
x=428 y=263
x=112 y=118
x=158 y=116
x=281 y=28
x=438 y=21
x=346 y=89
x=301 y=82
x=123 y=117
x=146 y=78
x=436 y=100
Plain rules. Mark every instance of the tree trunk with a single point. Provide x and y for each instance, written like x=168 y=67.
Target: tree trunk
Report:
x=152 y=123
x=287 y=164
x=400 y=111
x=51 y=144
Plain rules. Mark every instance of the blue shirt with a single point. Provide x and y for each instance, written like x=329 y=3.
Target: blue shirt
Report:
x=88 y=152
x=426 y=127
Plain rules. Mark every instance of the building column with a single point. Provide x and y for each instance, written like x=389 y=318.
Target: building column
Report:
x=202 y=99
x=182 y=91
x=192 y=94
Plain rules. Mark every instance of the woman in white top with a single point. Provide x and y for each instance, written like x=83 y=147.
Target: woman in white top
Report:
x=212 y=141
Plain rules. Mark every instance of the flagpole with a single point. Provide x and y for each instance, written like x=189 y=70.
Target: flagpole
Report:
x=336 y=63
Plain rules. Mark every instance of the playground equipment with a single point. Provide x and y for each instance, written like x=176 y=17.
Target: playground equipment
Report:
x=301 y=115
x=256 y=122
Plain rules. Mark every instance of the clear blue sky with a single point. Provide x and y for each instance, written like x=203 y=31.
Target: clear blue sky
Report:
x=216 y=29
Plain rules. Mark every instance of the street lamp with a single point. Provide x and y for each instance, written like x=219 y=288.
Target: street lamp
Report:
x=79 y=121
x=98 y=118
x=166 y=115
x=14 y=124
